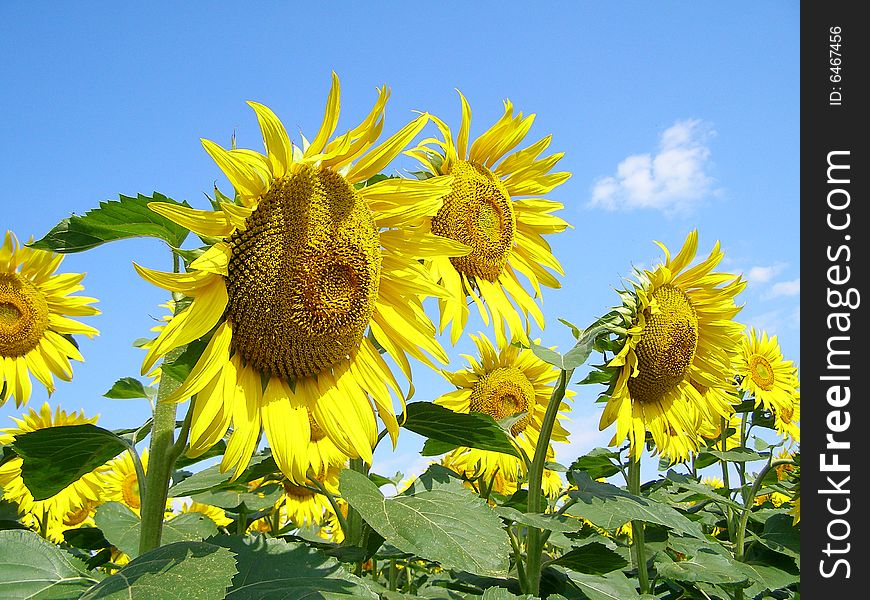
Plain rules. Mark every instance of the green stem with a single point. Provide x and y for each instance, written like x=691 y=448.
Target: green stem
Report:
x=747 y=507
x=637 y=534
x=354 y=521
x=394 y=575
x=334 y=504
x=160 y=463
x=723 y=442
x=518 y=558
x=534 y=536
x=242 y=523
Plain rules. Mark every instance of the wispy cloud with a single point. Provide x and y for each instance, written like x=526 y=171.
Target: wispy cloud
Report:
x=673 y=179
x=784 y=288
x=761 y=274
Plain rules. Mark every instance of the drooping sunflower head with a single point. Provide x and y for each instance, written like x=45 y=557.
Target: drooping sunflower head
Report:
x=35 y=328
x=62 y=510
x=675 y=364
x=311 y=259
x=484 y=211
x=764 y=373
x=503 y=383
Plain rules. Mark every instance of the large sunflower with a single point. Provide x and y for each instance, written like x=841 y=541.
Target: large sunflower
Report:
x=501 y=384
x=35 y=306
x=59 y=512
x=483 y=211
x=675 y=365
x=306 y=262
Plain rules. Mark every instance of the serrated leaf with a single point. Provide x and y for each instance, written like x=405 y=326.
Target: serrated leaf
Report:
x=216 y=450
x=781 y=535
x=474 y=430
x=189 y=570
x=549 y=522
x=54 y=457
x=597 y=463
x=272 y=568
x=433 y=477
x=235 y=499
x=705 y=566
x=739 y=454
x=31 y=567
x=613 y=586
x=451 y=526
x=611 y=507
x=121 y=527
x=593 y=559
x=113 y=220
x=128 y=388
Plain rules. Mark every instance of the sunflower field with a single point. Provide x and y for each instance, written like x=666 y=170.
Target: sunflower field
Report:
x=295 y=305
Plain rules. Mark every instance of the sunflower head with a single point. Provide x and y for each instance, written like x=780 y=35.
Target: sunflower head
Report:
x=764 y=373
x=672 y=371
x=485 y=211
x=311 y=268
x=35 y=328
x=502 y=383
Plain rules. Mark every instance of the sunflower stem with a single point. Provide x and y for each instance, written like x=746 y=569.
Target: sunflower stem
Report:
x=637 y=534
x=342 y=521
x=747 y=506
x=534 y=537
x=723 y=442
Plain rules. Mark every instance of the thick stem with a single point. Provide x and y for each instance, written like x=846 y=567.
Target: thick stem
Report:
x=534 y=538
x=342 y=522
x=637 y=534
x=160 y=462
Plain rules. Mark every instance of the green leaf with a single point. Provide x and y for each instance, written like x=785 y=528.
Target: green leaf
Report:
x=128 y=388
x=55 y=457
x=549 y=522
x=272 y=568
x=432 y=478
x=121 y=527
x=781 y=536
x=113 y=220
x=739 y=454
x=597 y=463
x=593 y=559
x=201 y=481
x=613 y=586
x=436 y=447
x=33 y=568
x=451 y=526
x=705 y=566
x=611 y=507
x=86 y=538
x=189 y=570
x=577 y=355
x=474 y=430
x=235 y=499
x=216 y=450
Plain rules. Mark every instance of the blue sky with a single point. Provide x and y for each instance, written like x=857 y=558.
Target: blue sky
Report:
x=671 y=116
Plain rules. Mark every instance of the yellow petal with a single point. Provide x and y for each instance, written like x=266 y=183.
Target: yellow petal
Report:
x=330 y=119
x=214 y=357
x=200 y=222
x=380 y=156
x=242 y=176
x=275 y=139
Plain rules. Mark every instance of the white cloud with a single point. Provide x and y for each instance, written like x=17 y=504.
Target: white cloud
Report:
x=764 y=274
x=784 y=288
x=673 y=180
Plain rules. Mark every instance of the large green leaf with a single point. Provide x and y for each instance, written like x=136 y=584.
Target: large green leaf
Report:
x=55 y=457
x=593 y=559
x=451 y=526
x=613 y=586
x=189 y=570
x=33 y=568
x=474 y=430
x=740 y=454
x=610 y=507
x=272 y=568
x=236 y=499
x=705 y=566
x=113 y=220
x=781 y=535
x=121 y=527
x=548 y=522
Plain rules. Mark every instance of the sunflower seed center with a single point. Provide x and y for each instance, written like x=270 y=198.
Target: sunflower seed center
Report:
x=23 y=315
x=667 y=345
x=761 y=372
x=478 y=213
x=303 y=275
x=502 y=393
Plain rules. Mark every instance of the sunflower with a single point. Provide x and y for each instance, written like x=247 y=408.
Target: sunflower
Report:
x=501 y=384
x=51 y=513
x=305 y=507
x=217 y=515
x=120 y=483
x=787 y=420
x=309 y=259
x=772 y=380
x=483 y=211
x=675 y=364
x=35 y=306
